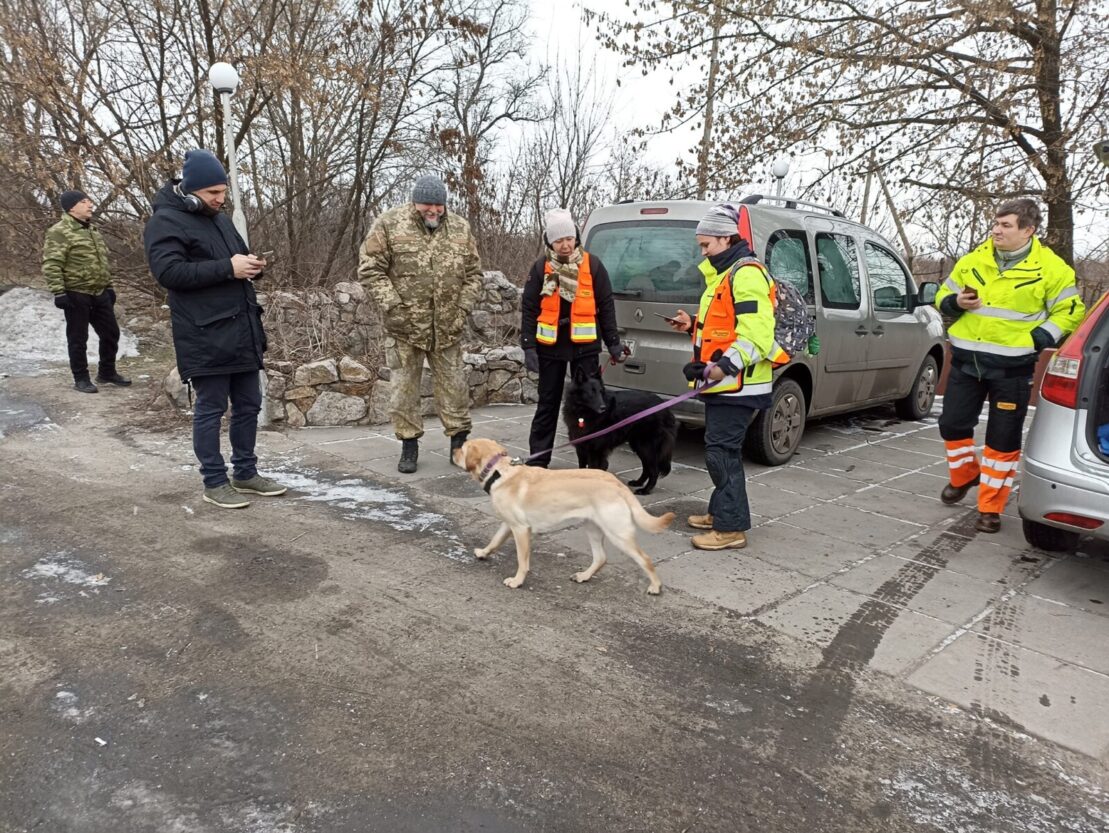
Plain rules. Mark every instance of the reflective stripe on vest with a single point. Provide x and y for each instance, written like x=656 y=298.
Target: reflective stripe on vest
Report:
x=583 y=309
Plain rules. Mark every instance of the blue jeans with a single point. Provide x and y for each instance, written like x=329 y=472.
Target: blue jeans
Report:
x=725 y=427
x=212 y=395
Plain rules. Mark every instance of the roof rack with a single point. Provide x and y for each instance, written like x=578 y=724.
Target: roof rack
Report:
x=791 y=202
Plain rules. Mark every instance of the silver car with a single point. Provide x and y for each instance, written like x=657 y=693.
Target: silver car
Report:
x=1064 y=488
x=880 y=340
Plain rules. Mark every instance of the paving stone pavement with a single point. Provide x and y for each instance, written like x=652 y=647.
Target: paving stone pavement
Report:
x=851 y=552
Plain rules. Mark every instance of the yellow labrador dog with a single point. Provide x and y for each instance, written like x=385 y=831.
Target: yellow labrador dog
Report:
x=529 y=499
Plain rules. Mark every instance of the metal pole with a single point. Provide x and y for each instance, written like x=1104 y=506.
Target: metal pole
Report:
x=238 y=217
x=779 y=187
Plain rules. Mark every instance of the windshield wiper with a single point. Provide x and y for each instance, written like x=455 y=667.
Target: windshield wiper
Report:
x=629 y=293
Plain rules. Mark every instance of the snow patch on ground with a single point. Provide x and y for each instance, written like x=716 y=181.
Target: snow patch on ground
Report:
x=950 y=800
x=32 y=334
x=61 y=568
x=360 y=499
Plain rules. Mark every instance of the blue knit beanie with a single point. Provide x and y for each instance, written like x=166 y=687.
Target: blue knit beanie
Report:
x=430 y=190
x=201 y=170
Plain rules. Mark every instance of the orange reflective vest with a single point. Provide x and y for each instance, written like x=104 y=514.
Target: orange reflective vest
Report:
x=583 y=309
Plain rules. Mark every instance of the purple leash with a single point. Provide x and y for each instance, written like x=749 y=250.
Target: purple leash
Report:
x=654 y=409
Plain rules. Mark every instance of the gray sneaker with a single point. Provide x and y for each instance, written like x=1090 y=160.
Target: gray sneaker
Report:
x=259 y=485
x=225 y=497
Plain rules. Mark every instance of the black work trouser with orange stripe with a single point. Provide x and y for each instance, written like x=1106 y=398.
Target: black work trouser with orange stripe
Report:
x=962 y=407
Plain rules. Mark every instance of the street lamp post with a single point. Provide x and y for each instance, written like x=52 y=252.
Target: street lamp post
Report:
x=780 y=169
x=225 y=79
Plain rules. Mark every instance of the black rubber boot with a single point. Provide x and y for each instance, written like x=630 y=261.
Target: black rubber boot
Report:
x=83 y=384
x=456 y=443
x=110 y=376
x=410 y=450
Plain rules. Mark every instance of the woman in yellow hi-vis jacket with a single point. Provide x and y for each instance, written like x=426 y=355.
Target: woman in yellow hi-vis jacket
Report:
x=1011 y=297
x=733 y=351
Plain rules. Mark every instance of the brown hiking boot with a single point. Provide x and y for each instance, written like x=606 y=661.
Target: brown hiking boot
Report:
x=700 y=521
x=988 y=522
x=714 y=540
x=953 y=494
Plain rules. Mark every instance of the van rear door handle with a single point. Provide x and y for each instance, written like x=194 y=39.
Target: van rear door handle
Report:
x=632 y=366
x=861 y=330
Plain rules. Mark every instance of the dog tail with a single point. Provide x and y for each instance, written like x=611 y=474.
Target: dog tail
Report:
x=645 y=520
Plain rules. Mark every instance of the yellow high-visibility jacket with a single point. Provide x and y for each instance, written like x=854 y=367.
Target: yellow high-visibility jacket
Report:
x=1037 y=293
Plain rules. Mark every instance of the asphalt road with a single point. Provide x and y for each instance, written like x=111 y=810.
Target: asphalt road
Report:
x=301 y=666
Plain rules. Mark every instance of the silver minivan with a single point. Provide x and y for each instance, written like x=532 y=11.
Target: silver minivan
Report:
x=880 y=341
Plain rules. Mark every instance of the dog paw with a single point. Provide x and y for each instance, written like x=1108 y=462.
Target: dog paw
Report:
x=654 y=590
x=580 y=578
x=513 y=582
x=480 y=554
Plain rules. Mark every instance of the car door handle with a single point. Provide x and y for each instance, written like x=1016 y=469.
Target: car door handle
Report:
x=631 y=366
x=861 y=330
x=879 y=330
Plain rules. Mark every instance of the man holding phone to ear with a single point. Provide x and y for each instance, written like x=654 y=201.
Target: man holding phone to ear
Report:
x=1011 y=298
x=195 y=252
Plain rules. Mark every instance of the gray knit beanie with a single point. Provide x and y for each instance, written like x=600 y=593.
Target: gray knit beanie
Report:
x=430 y=190
x=721 y=221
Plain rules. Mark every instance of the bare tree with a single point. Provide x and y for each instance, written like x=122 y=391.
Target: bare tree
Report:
x=981 y=99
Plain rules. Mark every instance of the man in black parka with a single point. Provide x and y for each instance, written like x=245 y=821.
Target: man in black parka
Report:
x=195 y=252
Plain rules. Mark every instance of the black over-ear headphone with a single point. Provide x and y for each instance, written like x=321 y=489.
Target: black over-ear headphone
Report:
x=193 y=203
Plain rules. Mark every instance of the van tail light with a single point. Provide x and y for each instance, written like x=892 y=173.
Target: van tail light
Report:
x=1064 y=372
x=744 y=226
x=1080 y=521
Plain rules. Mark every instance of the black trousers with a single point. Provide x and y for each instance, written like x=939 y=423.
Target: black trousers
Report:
x=962 y=405
x=552 y=377
x=98 y=311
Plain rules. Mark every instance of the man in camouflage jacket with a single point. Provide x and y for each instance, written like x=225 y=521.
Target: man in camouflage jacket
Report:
x=421 y=266
x=75 y=265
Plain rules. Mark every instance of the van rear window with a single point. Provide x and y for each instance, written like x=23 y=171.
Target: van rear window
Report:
x=652 y=260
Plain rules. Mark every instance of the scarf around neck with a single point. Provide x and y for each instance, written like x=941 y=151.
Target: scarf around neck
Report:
x=1007 y=260
x=564 y=277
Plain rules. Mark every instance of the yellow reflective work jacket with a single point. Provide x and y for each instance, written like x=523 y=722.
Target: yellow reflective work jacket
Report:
x=740 y=324
x=1037 y=293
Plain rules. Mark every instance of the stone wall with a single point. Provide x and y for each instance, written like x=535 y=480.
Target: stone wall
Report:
x=330 y=359
x=344 y=391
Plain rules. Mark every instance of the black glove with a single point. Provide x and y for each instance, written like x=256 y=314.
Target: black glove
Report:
x=61 y=300
x=694 y=371
x=1041 y=339
x=111 y=293
x=617 y=351
x=531 y=359
x=728 y=366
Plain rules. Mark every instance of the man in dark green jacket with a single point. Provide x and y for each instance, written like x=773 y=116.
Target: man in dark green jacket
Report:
x=75 y=265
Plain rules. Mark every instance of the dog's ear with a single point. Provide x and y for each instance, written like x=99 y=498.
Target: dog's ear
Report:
x=579 y=374
x=472 y=458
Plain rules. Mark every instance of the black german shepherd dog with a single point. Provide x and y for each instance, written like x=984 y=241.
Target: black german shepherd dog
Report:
x=588 y=407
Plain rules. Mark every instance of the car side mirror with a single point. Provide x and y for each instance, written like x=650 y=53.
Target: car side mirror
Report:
x=926 y=296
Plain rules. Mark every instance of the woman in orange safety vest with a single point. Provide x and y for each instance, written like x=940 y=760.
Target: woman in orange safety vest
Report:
x=566 y=314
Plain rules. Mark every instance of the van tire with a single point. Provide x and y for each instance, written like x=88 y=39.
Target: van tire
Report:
x=776 y=432
x=918 y=404
x=1049 y=538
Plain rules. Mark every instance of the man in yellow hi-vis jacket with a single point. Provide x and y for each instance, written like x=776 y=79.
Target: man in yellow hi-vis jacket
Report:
x=1011 y=297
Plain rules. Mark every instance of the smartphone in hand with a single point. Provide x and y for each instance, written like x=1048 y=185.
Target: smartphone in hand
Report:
x=666 y=318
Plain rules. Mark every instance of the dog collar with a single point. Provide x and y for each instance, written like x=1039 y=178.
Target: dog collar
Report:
x=488 y=484
x=496 y=458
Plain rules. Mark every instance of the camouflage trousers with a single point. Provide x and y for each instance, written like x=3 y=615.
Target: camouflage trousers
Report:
x=450 y=385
